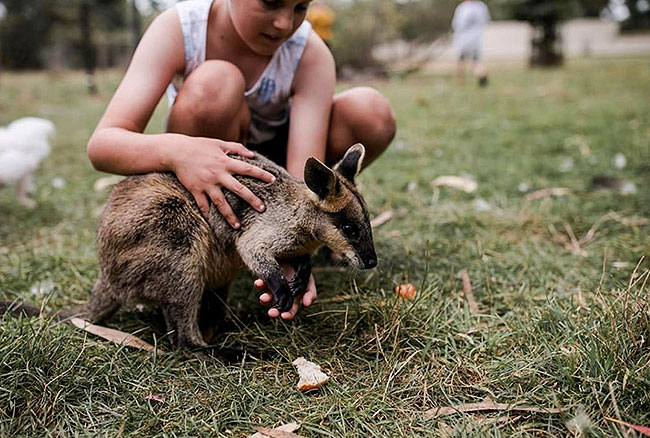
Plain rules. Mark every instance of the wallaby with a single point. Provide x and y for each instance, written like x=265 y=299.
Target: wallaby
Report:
x=156 y=247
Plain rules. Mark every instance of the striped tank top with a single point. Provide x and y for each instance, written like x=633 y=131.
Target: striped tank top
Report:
x=269 y=99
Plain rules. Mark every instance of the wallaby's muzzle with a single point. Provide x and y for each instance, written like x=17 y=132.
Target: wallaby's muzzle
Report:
x=370 y=263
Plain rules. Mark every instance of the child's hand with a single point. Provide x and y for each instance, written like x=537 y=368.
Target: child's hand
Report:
x=204 y=168
x=266 y=298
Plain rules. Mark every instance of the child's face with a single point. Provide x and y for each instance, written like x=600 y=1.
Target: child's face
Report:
x=265 y=24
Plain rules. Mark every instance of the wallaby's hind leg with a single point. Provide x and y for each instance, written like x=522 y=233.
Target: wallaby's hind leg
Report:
x=213 y=311
x=102 y=303
x=99 y=306
x=182 y=319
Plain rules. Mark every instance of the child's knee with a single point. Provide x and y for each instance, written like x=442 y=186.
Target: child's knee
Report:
x=215 y=88
x=374 y=114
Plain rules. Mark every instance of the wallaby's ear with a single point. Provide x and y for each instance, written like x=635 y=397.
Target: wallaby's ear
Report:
x=350 y=164
x=320 y=179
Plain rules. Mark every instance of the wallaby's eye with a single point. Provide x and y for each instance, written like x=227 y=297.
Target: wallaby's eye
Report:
x=349 y=230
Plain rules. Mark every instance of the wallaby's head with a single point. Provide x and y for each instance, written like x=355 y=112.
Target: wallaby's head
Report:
x=343 y=224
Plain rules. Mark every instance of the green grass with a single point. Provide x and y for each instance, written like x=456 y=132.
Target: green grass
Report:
x=557 y=329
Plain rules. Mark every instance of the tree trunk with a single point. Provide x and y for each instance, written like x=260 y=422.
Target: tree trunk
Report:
x=87 y=48
x=546 y=43
x=637 y=20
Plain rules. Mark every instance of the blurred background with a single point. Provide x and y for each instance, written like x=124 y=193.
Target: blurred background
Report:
x=389 y=36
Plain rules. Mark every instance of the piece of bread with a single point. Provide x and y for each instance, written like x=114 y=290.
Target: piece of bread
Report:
x=311 y=376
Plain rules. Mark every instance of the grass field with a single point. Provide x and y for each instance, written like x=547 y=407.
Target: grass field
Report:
x=563 y=315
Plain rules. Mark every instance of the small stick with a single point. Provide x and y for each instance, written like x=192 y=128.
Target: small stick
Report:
x=616 y=411
x=469 y=294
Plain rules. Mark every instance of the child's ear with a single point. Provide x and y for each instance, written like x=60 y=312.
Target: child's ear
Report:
x=350 y=165
x=320 y=179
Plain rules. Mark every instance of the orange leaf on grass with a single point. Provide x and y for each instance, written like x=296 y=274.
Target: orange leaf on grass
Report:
x=406 y=291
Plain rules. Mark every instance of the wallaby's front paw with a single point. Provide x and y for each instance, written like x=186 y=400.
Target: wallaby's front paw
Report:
x=297 y=286
x=282 y=294
x=300 y=280
x=283 y=299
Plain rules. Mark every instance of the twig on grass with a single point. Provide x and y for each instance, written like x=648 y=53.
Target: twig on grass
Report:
x=576 y=246
x=469 y=294
x=616 y=411
x=547 y=193
x=641 y=429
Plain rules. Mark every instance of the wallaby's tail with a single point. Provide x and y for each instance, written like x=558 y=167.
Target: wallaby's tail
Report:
x=17 y=309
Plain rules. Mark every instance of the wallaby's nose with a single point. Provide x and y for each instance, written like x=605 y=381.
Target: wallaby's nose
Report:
x=371 y=263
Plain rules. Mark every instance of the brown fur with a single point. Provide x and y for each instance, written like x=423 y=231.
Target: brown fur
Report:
x=155 y=246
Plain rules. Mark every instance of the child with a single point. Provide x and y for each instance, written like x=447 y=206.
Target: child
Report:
x=236 y=72
x=470 y=17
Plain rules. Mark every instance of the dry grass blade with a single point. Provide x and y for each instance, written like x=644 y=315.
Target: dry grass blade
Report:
x=284 y=431
x=382 y=218
x=547 y=193
x=469 y=293
x=321 y=269
x=641 y=429
x=488 y=405
x=116 y=336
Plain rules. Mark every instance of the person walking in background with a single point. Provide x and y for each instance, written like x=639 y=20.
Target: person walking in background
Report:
x=470 y=17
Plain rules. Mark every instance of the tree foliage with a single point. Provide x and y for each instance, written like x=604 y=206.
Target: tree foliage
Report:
x=362 y=24
x=535 y=10
x=31 y=25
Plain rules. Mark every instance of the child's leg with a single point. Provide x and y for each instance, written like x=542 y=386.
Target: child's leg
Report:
x=460 y=71
x=360 y=115
x=211 y=104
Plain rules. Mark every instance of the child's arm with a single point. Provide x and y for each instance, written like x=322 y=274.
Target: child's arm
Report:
x=311 y=104
x=201 y=164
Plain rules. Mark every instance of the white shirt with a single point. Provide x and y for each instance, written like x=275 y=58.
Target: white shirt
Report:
x=269 y=99
x=469 y=19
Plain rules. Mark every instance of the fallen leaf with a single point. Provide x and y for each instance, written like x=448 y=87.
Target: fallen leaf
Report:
x=641 y=429
x=116 y=336
x=406 y=291
x=469 y=294
x=456 y=182
x=547 y=193
x=311 y=376
x=488 y=405
x=285 y=429
x=382 y=218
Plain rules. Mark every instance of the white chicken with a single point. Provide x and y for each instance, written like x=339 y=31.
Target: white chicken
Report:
x=23 y=145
